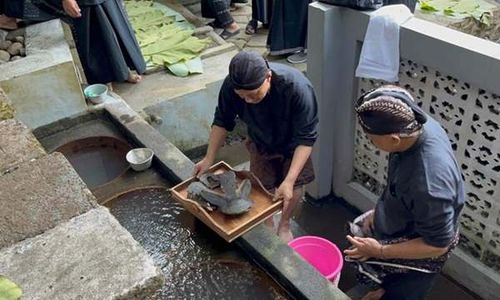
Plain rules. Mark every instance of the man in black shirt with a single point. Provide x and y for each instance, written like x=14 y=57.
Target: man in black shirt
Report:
x=279 y=107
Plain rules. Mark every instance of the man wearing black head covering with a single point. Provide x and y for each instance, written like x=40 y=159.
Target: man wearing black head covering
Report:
x=278 y=105
x=415 y=222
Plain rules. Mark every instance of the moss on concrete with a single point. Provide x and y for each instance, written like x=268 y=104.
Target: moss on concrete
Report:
x=6 y=111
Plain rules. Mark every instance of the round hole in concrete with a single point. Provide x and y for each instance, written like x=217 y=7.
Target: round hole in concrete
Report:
x=97 y=160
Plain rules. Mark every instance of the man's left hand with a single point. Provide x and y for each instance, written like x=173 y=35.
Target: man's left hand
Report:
x=285 y=193
x=363 y=248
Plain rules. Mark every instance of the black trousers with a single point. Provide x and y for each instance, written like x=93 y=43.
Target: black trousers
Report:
x=262 y=10
x=23 y=9
x=218 y=10
x=408 y=286
x=12 y=8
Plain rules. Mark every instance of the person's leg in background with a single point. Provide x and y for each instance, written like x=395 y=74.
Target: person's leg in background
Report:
x=301 y=56
x=7 y=22
x=288 y=30
x=261 y=12
x=219 y=10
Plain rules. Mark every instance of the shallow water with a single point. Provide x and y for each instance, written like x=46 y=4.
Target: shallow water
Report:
x=196 y=262
x=97 y=160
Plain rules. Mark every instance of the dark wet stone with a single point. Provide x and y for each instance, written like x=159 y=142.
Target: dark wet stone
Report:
x=194 y=193
x=233 y=201
x=210 y=180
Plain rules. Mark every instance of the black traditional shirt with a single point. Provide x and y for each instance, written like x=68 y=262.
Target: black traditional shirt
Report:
x=285 y=118
x=424 y=193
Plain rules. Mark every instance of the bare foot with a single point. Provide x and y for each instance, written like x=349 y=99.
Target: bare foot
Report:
x=134 y=78
x=285 y=235
x=8 y=23
x=374 y=295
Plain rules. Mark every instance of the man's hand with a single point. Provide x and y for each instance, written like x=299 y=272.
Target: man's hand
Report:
x=363 y=248
x=72 y=8
x=202 y=166
x=285 y=193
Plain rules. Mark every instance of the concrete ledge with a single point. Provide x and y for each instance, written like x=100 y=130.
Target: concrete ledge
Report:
x=172 y=161
x=43 y=86
x=89 y=257
x=297 y=276
x=45 y=47
x=67 y=123
x=74 y=128
x=38 y=196
x=465 y=269
x=17 y=145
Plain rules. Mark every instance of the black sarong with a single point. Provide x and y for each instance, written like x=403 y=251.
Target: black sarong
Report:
x=105 y=41
x=262 y=11
x=288 y=30
x=22 y=9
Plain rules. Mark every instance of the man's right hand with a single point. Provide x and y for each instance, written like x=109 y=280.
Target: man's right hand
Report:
x=202 y=166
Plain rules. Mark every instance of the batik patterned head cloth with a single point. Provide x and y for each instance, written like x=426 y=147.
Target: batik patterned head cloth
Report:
x=389 y=110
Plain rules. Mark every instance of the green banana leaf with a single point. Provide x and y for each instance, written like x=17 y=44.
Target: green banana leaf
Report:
x=182 y=69
x=165 y=37
x=9 y=290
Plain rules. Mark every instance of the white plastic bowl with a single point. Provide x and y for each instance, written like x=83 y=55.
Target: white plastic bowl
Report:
x=140 y=158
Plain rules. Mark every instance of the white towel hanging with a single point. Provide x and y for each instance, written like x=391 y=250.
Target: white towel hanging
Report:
x=379 y=57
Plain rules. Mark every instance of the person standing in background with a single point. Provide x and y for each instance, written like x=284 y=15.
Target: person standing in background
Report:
x=288 y=30
x=104 y=38
x=261 y=12
x=220 y=11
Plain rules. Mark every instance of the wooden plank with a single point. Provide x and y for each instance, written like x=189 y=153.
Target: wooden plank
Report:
x=230 y=227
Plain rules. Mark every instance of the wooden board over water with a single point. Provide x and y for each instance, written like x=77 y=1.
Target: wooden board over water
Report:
x=230 y=227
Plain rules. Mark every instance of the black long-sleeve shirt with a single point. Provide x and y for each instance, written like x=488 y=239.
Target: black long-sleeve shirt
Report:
x=286 y=118
x=424 y=193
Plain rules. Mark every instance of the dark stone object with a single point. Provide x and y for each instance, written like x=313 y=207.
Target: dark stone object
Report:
x=233 y=201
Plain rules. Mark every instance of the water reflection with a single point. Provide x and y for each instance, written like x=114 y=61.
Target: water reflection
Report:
x=197 y=263
x=97 y=160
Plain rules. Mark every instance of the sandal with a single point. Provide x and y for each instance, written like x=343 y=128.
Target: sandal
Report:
x=251 y=27
x=228 y=34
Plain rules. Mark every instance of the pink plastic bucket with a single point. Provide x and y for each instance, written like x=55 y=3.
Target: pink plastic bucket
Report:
x=322 y=254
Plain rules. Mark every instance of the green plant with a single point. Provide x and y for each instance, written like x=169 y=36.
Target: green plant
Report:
x=9 y=290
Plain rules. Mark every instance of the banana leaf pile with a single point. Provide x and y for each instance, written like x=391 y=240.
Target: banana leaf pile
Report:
x=165 y=37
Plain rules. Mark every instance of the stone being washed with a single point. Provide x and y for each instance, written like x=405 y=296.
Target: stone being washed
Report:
x=233 y=201
x=211 y=180
x=194 y=193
